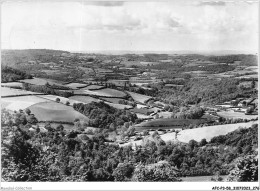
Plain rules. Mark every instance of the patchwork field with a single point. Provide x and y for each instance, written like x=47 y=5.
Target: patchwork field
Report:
x=139 y=97
x=21 y=102
x=10 y=92
x=84 y=99
x=52 y=111
x=107 y=92
x=206 y=132
x=92 y=87
x=167 y=123
x=12 y=84
x=119 y=106
x=112 y=100
x=76 y=85
x=236 y=115
x=41 y=81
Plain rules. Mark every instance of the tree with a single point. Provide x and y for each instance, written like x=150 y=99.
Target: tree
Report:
x=58 y=100
x=203 y=142
x=246 y=170
x=27 y=111
x=123 y=171
x=67 y=103
x=159 y=172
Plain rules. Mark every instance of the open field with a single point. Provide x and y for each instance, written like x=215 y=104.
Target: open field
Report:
x=92 y=87
x=112 y=100
x=249 y=76
x=10 y=92
x=119 y=106
x=236 y=115
x=206 y=132
x=21 y=102
x=84 y=99
x=139 y=97
x=41 y=81
x=167 y=123
x=12 y=84
x=75 y=85
x=52 y=111
x=199 y=178
x=107 y=92
x=199 y=133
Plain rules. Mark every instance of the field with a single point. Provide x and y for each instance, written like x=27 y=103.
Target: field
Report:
x=21 y=102
x=52 y=111
x=92 y=87
x=84 y=99
x=167 y=124
x=139 y=97
x=112 y=100
x=107 y=92
x=12 y=84
x=249 y=76
x=10 y=92
x=236 y=115
x=206 y=132
x=119 y=106
x=199 y=178
x=76 y=85
x=41 y=81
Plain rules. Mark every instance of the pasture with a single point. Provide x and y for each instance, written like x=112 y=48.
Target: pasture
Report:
x=107 y=92
x=41 y=81
x=10 y=92
x=76 y=85
x=92 y=87
x=167 y=124
x=21 y=102
x=12 y=84
x=56 y=112
x=235 y=115
x=84 y=99
x=139 y=97
x=206 y=132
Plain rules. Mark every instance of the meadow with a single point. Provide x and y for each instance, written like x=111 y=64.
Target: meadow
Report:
x=56 y=112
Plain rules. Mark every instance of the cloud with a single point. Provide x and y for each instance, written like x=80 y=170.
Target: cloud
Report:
x=105 y=3
x=212 y=3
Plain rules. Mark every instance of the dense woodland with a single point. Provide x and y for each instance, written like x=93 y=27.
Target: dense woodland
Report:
x=48 y=89
x=101 y=115
x=58 y=155
x=203 y=91
x=9 y=74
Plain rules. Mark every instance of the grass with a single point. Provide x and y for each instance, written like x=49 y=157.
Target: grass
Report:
x=167 y=123
x=92 y=87
x=76 y=85
x=21 y=102
x=235 y=115
x=139 y=97
x=107 y=92
x=205 y=132
x=12 y=84
x=52 y=111
x=10 y=92
x=41 y=81
x=84 y=99
x=112 y=100
x=199 y=178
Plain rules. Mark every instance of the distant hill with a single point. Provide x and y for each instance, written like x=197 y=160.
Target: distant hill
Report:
x=12 y=58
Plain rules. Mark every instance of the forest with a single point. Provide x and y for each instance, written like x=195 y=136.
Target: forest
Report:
x=101 y=115
x=58 y=155
x=9 y=74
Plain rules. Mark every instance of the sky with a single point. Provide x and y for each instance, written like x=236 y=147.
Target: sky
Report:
x=130 y=26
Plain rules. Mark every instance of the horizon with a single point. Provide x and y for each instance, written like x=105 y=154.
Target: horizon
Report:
x=107 y=26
